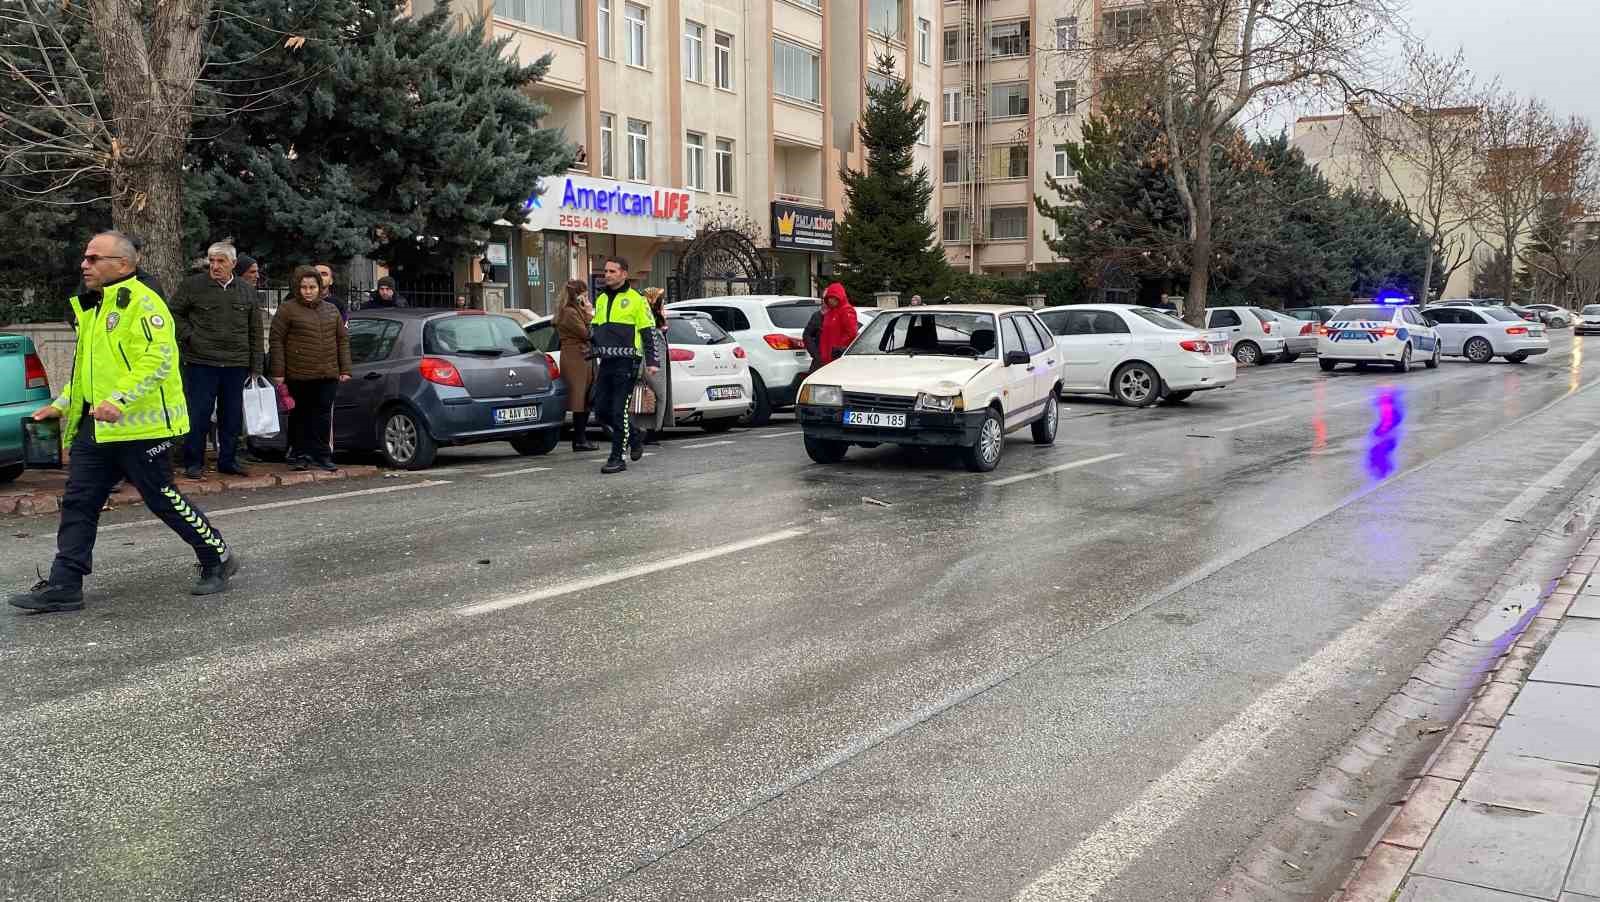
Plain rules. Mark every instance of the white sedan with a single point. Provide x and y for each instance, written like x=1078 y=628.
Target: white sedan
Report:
x=1390 y=334
x=1137 y=355
x=710 y=373
x=1481 y=334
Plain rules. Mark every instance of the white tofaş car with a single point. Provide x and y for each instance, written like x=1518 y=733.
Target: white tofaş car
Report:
x=953 y=376
x=1390 y=334
x=1138 y=355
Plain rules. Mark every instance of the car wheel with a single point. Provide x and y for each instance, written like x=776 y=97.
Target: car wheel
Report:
x=761 y=412
x=824 y=451
x=10 y=473
x=984 y=454
x=1177 y=397
x=717 y=426
x=1478 y=350
x=536 y=443
x=404 y=441
x=1247 y=353
x=1044 y=428
x=1432 y=362
x=1136 y=385
x=1327 y=365
x=1517 y=358
x=1403 y=365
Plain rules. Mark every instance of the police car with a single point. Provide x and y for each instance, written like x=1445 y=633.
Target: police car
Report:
x=1387 y=331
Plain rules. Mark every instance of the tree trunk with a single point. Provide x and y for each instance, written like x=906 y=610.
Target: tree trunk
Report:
x=1426 y=295
x=1194 y=303
x=1508 y=272
x=148 y=203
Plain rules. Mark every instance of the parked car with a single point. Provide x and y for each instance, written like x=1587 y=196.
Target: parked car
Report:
x=424 y=378
x=1553 y=316
x=770 y=328
x=1481 y=334
x=949 y=375
x=1318 y=314
x=1391 y=334
x=24 y=388
x=711 y=383
x=1299 y=336
x=1253 y=333
x=1138 y=355
x=1523 y=313
x=1588 y=320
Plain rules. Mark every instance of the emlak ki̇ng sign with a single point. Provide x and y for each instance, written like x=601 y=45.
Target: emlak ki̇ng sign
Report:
x=576 y=203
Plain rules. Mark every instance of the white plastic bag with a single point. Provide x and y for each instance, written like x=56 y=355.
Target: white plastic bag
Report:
x=260 y=408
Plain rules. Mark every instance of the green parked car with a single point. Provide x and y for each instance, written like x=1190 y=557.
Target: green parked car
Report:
x=24 y=388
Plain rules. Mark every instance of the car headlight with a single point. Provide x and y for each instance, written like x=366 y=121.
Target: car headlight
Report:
x=822 y=396
x=940 y=403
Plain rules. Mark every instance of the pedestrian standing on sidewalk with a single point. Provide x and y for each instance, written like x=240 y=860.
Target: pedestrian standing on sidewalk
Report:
x=621 y=321
x=386 y=296
x=812 y=338
x=572 y=327
x=650 y=424
x=839 y=323
x=311 y=356
x=122 y=411
x=325 y=276
x=219 y=333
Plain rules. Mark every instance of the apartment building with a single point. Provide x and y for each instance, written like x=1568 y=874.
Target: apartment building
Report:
x=697 y=113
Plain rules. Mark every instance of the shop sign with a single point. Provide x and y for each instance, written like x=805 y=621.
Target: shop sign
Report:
x=801 y=228
x=577 y=203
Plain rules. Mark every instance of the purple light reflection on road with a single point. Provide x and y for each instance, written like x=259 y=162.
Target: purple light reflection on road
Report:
x=1386 y=434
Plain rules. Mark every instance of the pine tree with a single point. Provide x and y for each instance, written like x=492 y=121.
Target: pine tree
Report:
x=885 y=238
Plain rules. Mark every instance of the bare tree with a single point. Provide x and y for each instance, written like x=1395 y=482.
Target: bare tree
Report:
x=1565 y=236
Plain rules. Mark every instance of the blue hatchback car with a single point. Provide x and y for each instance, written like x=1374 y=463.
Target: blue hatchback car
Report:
x=422 y=378
x=24 y=388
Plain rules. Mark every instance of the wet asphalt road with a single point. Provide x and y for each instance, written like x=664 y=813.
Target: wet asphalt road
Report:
x=438 y=687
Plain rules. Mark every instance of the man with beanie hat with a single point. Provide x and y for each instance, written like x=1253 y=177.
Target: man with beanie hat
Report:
x=385 y=297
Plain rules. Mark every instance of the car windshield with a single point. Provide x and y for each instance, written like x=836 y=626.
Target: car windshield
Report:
x=942 y=334
x=1502 y=314
x=1370 y=312
x=793 y=314
x=476 y=334
x=695 y=330
x=1157 y=318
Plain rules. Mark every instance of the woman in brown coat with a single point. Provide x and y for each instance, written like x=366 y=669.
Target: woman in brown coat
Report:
x=310 y=355
x=572 y=325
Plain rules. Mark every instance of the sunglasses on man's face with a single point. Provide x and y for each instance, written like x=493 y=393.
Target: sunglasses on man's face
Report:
x=92 y=259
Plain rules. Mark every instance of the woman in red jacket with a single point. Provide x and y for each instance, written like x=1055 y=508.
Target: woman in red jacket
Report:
x=839 y=325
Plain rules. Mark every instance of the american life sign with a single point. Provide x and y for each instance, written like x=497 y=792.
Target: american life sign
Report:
x=578 y=203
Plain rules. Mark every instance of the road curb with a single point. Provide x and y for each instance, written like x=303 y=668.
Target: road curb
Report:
x=48 y=500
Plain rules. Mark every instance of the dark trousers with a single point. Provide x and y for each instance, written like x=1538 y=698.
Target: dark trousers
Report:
x=93 y=471
x=222 y=387
x=311 y=421
x=613 y=387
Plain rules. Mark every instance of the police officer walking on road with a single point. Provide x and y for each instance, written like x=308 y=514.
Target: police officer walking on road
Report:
x=122 y=412
x=619 y=338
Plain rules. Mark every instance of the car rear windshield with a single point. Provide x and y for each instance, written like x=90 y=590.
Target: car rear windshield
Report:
x=477 y=334
x=1157 y=318
x=1502 y=314
x=793 y=314
x=1373 y=313
x=695 y=330
x=1592 y=310
x=1265 y=316
x=941 y=334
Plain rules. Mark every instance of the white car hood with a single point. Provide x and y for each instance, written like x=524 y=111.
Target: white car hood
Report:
x=900 y=374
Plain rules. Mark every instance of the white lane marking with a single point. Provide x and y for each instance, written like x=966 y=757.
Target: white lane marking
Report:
x=1252 y=424
x=251 y=508
x=1055 y=469
x=780 y=434
x=726 y=441
x=1105 y=854
x=516 y=472
x=582 y=585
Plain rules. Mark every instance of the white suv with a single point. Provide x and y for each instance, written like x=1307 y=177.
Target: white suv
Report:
x=1256 y=334
x=771 y=329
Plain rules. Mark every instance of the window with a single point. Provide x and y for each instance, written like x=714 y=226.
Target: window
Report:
x=1411 y=316
x=792 y=314
x=1011 y=336
x=608 y=142
x=724 y=165
x=1020 y=329
x=694 y=51
x=371 y=340
x=953 y=226
x=603 y=25
x=796 y=71
x=1008 y=222
x=1223 y=318
x=952 y=106
x=1066 y=97
x=1045 y=338
x=1063 y=163
x=558 y=16
x=451 y=334
x=695 y=330
x=925 y=132
x=1008 y=99
x=1124 y=26
x=1067 y=33
x=954 y=170
x=1009 y=38
x=638 y=150
x=924 y=42
x=877 y=81
x=731 y=319
x=1008 y=162
x=952 y=45
x=695 y=174
x=884 y=17
x=724 y=61
x=638 y=34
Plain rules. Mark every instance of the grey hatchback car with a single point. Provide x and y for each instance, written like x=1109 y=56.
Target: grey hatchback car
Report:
x=422 y=378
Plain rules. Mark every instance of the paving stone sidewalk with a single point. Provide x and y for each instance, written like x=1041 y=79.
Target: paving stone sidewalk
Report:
x=39 y=491
x=1513 y=810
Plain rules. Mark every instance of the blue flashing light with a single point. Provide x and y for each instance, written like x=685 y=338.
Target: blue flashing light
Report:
x=1393 y=298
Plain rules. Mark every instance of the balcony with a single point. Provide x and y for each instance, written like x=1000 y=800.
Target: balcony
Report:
x=797 y=174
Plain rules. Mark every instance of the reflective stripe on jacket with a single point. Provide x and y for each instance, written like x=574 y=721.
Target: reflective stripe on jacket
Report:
x=621 y=320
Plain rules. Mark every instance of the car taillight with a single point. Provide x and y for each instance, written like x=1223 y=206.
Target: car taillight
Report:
x=1516 y=330
x=33 y=372
x=1324 y=331
x=1388 y=331
x=679 y=355
x=440 y=372
x=1196 y=345
x=780 y=342
x=555 y=368
x=1267 y=328
x=738 y=352
x=1307 y=329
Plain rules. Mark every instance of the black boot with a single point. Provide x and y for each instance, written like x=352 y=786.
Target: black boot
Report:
x=580 y=433
x=614 y=465
x=636 y=445
x=214 y=577
x=45 y=598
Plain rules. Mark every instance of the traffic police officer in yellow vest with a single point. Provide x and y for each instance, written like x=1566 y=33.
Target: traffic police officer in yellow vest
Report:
x=621 y=316
x=121 y=413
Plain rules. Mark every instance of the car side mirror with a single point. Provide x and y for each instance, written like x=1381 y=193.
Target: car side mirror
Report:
x=1018 y=358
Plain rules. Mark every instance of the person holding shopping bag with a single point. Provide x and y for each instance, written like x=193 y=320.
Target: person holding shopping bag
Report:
x=310 y=355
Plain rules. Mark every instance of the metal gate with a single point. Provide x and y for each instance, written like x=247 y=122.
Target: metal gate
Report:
x=722 y=262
